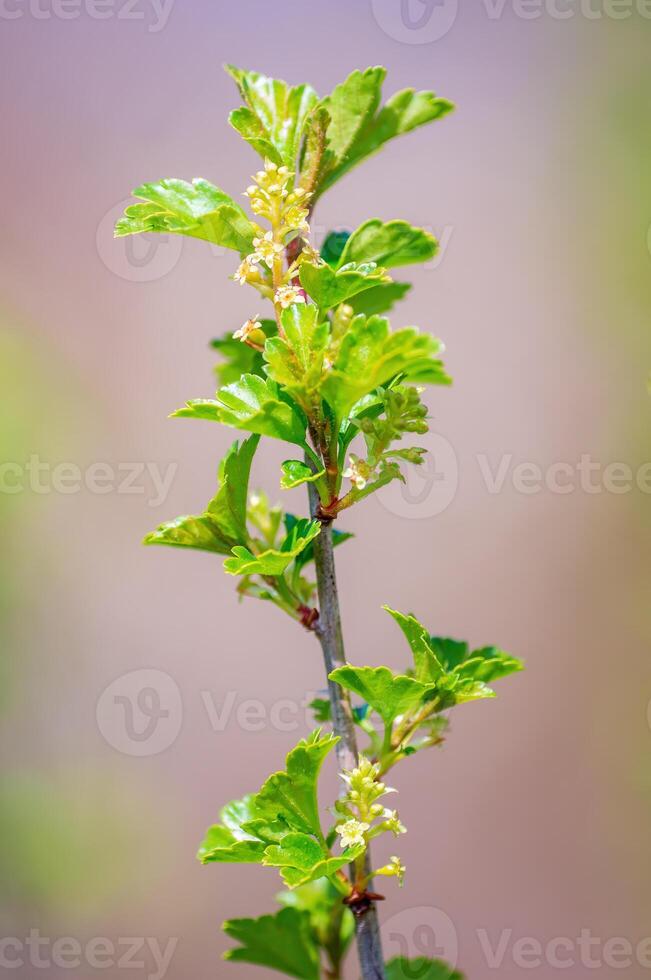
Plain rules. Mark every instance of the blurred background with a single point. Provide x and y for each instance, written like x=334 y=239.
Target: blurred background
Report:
x=529 y=529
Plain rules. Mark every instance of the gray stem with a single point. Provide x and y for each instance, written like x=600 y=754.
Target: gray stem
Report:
x=367 y=930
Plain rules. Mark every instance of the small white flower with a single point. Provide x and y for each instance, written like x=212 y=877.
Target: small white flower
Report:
x=266 y=249
x=247 y=328
x=295 y=217
x=358 y=471
x=394 y=823
x=352 y=832
x=245 y=270
x=286 y=295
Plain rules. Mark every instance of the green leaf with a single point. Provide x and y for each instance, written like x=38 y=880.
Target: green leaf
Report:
x=322 y=710
x=380 y=298
x=485 y=665
x=228 y=507
x=328 y=288
x=389 y=244
x=332 y=923
x=333 y=246
x=199 y=210
x=272 y=561
x=254 y=404
x=281 y=942
x=303 y=860
x=371 y=355
x=223 y=524
x=358 y=127
x=387 y=693
x=228 y=842
x=200 y=532
x=292 y=794
x=222 y=847
x=239 y=358
x=296 y=361
x=338 y=537
x=273 y=121
x=295 y=472
x=428 y=667
x=458 y=674
x=420 y=968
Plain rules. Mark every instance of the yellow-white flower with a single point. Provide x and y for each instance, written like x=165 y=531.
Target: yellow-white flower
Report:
x=245 y=270
x=266 y=249
x=395 y=868
x=286 y=295
x=358 y=471
x=295 y=217
x=250 y=331
x=394 y=823
x=352 y=832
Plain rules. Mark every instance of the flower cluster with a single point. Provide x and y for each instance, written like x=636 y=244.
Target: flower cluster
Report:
x=363 y=817
x=272 y=198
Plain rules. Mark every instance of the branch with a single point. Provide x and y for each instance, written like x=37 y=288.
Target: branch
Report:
x=330 y=635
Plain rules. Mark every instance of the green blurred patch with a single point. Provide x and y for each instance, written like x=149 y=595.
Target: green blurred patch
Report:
x=70 y=846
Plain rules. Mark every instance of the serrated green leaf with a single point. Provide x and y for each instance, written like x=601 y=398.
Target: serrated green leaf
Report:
x=223 y=524
x=273 y=561
x=389 y=244
x=228 y=842
x=228 y=506
x=358 y=127
x=420 y=968
x=253 y=404
x=282 y=942
x=338 y=537
x=292 y=794
x=199 y=210
x=387 y=693
x=219 y=848
x=273 y=121
x=199 y=532
x=371 y=355
x=295 y=472
x=380 y=298
x=303 y=860
x=484 y=665
x=458 y=674
x=329 y=287
x=428 y=668
x=296 y=361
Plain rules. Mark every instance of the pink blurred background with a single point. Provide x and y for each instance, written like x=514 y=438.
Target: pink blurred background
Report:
x=533 y=820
